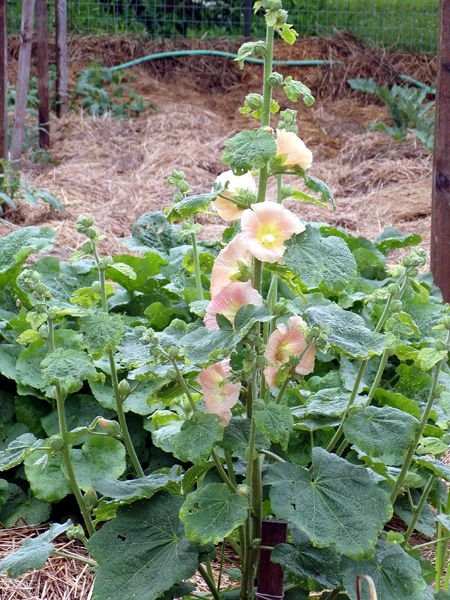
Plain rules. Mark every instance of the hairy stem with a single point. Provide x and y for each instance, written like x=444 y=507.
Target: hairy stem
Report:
x=60 y=398
x=418 y=509
x=209 y=582
x=197 y=271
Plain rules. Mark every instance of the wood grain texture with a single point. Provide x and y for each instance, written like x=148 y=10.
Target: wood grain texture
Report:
x=61 y=57
x=3 y=82
x=440 y=219
x=42 y=71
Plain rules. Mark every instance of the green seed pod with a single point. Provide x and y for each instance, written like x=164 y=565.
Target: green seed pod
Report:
x=183 y=186
x=56 y=443
x=124 y=388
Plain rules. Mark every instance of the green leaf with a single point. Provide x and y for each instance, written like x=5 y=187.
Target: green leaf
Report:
x=190 y=206
x=428 y=357
x=46 y=479
x=212 y=513
x=320 y=187
x=18 y=245
x=236 y=436
x=134 y=489
x=125 y=270
x=289 y=35
x=21 y=508
x=98 y=457
x=396 y=575
x=392 y=238
x=201 y=344
x=323 y=263
x=385 y=433
x=307 y=563
x=396 y=400
x=434 y=465
x=336 y=503
x=102 y=332
x=295 y=89
x=197 y=437
x=33 y=552
x=17 y=451
x=329 y=402
x=249 y=49
x=275 y=421
x=348 y=331
x=143 y=552
x=142 y=267
x=153 y=230
x=249 y=150
x=192 y=475
x=68 y=368
x=426 y=521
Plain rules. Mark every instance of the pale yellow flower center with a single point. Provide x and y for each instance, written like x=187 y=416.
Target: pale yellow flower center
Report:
x=268 y=236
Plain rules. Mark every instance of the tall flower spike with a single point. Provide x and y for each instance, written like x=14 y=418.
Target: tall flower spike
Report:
x=227 y=209
x=286 y=341
x=220 y=395
x=229 y=300
x=292 y=150
x=231 y=262
x=265 y=227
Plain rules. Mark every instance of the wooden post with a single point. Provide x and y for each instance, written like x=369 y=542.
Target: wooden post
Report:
x=61 y=57
x=270 y=575
x=248 y=17
x=3 y=82
x=23 y=79
x=42 y=72
x=440 y=217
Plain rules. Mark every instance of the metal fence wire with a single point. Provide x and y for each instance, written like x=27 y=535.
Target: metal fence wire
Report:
x=407 y=24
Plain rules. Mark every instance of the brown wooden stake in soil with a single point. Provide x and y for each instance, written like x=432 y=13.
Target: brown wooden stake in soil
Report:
x=270 y=575
x=42 y=71
x=3 y=82
x=23 y=79
x=61 y=57
x=440 y=218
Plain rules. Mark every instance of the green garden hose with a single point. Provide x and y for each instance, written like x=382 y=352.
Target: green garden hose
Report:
x=257 y=61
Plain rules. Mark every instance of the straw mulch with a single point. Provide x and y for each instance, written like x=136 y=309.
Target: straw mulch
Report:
x=61 y=579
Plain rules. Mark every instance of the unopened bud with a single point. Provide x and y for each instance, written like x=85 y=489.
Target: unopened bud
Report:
x=90 y=498
x=112 y=428
x=124 y=389
x=275 y=79
x=56 y=443
x=254 y=101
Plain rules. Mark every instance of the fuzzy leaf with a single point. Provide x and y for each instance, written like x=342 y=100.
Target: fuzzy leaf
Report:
x=68 y=368
x=190 y=206
x=337 y=503
x=143 y=552
x=33 y=552
x=197 y=437
x=385 y=433
x=17 y=451
x=133 y=489
x=249 y=150
x=295 y=89
x=18 y=245
x=395 y=574
x=102 y=332
x=324 y=263
x=348 y=331
x=275 y=421
x=392 y=238
x=98 y=457
x=212 y=513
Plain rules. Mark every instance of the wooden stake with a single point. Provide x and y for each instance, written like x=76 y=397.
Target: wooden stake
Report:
x=42 y=72
x=270 y=575
x=248 y=17
x=3 y=82
x=23 y=78
x=440 y=217
x=61 y=58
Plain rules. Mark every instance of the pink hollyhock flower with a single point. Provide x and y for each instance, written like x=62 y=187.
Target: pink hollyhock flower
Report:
x=292 y=150
x=265 y=227
x=229 y=300
x=224 y=205
x=231 y=261
x=220 y=395
x=286 y=341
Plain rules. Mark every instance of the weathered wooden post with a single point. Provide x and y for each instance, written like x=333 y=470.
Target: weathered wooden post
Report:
x=61 y=58
x=42 y=72
x=440 y=218
x=3 y=82
x=270 y=575
x=248 y=17
x=23 y=78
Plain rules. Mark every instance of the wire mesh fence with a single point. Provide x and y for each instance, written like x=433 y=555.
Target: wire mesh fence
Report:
x=408 y=24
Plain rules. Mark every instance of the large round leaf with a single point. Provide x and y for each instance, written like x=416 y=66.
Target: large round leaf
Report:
x=385 y=433
x=99 y=457
x=396 y=575
x=212 y=513
x=47 y=480
x=336 y=503
x=143 y=552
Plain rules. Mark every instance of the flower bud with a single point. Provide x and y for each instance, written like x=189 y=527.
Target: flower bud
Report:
x=243 y=490
x=90 y=498
x=183 y=186
x=112 y=428
x=254 y=101
x=105 y=262
x=124 y=388
x=76 y=532
x=275 y=79
x=56 y=443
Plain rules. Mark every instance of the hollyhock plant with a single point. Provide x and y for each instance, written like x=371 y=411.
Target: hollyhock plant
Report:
x=286 y=341
x=236 y=184
x=219 y=393
x=265 y=227
x=229 y=300
x=292 y=150
x=233 y=262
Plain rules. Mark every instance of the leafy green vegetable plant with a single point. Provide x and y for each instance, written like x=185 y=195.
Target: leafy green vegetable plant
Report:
x=409 y=108
x=190 y=391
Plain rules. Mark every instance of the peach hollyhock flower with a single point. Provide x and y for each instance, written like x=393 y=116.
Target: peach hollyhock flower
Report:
x=220 y=395
x=292 y=150
x=230 y=262
x=236 y=183
x=286 y=341
x=265 y=227
x=229 y=300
